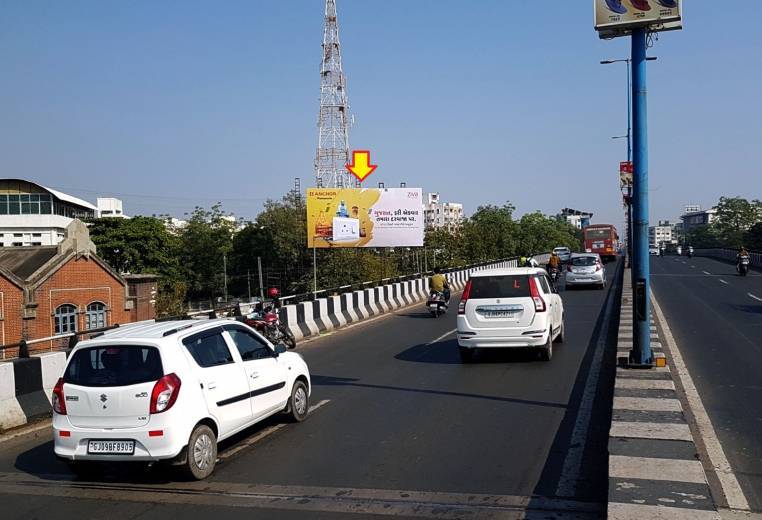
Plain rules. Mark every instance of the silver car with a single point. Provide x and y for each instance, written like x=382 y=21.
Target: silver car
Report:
x=586 y=269
x=564 y=253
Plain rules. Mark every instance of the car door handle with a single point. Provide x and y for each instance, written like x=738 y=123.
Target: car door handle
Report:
x=254 y=375
x=211 y=385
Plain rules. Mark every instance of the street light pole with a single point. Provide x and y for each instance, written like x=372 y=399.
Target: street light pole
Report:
x=641 y=352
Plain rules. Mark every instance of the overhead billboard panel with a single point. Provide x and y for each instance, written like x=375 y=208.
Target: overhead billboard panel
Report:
x=364 y=217
x=618 y=17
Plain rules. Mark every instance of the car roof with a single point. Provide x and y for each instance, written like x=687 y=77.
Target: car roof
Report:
x=579 y=255
x=151 y=330
x=508 y=271
x=561 y=247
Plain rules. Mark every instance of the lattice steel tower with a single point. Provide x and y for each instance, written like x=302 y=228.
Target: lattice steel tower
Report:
x=334 y=120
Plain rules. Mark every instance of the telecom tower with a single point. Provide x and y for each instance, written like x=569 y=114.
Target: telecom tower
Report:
x=333 y=122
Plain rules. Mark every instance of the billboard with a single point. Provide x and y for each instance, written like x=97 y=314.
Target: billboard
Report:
x=625 y=173
x=364 y=217
x=617 y=17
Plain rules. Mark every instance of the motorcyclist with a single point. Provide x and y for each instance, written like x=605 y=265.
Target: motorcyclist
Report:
x=690 y=251
x=439 y=284
x=554 y=262
x=741 y=253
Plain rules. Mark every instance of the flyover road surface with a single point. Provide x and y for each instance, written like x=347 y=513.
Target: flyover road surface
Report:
x=402 y=428
x=716 y=319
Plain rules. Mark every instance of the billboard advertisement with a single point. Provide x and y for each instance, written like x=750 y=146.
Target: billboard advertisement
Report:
x=365 y=217
x=615 y=17
x=625 y=173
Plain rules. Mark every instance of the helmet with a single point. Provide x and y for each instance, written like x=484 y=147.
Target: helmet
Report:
x=273 y=292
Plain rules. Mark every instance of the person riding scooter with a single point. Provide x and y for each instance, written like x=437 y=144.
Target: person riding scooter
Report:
x=439 y=284
x=554 y=265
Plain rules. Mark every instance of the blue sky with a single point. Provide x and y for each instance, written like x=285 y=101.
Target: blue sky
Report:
x=173 y=104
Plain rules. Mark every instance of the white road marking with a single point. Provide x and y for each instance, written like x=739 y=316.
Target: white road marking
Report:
x=719 y=462
x=723 y=281
x=693 y=267
x=647 y=468
x=644 y=384
x=650 y=430
x=647 y=404
x=708 y=274
x=440 y=338
x=755 y=297
x=567 y=483
x=357 y=501
x=264 y=433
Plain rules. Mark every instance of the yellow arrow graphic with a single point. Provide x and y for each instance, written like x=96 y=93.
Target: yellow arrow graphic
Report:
x=361 y=166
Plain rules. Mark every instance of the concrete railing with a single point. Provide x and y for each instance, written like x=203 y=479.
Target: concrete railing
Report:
x=729 y=255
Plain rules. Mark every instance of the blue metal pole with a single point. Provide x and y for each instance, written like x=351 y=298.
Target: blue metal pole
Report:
x=629 y=112
x=641 y=272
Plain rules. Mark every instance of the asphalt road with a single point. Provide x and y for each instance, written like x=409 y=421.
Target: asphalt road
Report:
x=716 y=318
x=402 y=428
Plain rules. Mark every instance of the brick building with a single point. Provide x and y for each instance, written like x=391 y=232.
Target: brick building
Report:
x=50 y=290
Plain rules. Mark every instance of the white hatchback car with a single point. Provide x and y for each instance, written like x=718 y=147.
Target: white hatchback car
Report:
x=507 y=308
x=586 y=269
x=171 y=391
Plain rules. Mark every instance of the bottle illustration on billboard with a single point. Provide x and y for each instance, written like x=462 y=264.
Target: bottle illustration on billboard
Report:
x=616 y=6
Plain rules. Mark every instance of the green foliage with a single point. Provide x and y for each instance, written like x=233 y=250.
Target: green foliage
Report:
x=736 y=223
x=753 y=237
x=136 y=245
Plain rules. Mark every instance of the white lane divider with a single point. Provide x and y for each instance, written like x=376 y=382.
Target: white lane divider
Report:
x=708 y=274
x=723 y=281
x=440 y=338
x=264 y=433
x=755 y=297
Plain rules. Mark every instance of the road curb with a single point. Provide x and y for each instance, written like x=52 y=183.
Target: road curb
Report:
x=654 y=466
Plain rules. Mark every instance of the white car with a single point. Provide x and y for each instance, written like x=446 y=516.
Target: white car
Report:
x=653 y=250
x=586 y=269
x=508 y=308
x=171 y=391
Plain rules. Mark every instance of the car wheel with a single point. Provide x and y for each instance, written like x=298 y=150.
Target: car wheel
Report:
x=561 y=334
x=546 y=352
x=84 y=470
x=202 y=453
x=299 y=402
x=466 y=354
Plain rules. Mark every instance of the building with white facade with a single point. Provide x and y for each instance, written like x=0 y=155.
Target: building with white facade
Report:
x=578 y=219
x=33 y=215
x=110 y=207
x=442 y=215
x=694 y=219
x=664 y=233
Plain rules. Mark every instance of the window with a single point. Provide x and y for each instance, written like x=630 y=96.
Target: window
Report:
x=544 y=283
x=36 y=243
x=36 y=235
x=65 y=319
x=208 y=348
x=17 y=244
x=584 y=261
x=95 y=318
x=500 y=286
x=248 y=345
x=114 y=366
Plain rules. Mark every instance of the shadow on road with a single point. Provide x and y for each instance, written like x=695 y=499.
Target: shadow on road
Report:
x=318 y=380
x=446 y=353
x=753 y=309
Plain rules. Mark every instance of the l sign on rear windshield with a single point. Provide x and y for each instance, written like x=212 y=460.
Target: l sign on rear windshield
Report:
x=514 y=286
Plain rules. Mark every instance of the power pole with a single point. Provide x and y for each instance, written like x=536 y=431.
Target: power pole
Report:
x=248 y=282
x=333 y=121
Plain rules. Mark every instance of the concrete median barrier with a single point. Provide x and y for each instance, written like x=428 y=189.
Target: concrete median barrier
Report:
x=25 y=388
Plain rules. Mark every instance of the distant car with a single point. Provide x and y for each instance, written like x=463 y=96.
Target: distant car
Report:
x=509 y=308
x=585 y=269
x=653 y=250
x=564 y=253
x=171 y=391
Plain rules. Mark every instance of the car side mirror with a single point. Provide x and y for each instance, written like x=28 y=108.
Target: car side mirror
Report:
x=280 y=348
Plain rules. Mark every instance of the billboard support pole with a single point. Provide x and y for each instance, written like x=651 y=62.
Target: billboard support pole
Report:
x=314 y=271
x=641 y=353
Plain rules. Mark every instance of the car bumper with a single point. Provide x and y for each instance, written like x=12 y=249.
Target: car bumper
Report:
x=485 y=341
x=586 y=280
x=149 y=445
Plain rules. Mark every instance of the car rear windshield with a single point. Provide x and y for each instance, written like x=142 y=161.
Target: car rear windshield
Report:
x=114 y=366
x=583 y=261
x=510 y=286
x=561 y=250
x=597 y=233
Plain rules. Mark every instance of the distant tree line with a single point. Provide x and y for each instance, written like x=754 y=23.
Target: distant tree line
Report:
x=193 y=260
x=738 y=222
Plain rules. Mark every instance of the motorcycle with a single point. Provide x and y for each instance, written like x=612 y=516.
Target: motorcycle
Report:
x=554 y=273
x=268 y=324
x=743 y=265
x=690 y=252
x=437 y=304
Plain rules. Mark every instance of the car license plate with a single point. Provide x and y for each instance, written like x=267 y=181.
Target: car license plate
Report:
x=499 y=314
x=111 y=447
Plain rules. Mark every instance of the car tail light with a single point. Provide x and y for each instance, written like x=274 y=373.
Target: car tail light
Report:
x=165 y=393
x=597 y=266
x=464 y=298
x=539 y=303
x=568 y=268
x=59 y=401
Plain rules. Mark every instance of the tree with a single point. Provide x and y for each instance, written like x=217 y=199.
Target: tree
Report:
x=753 y=238
x=704 y=236
x=735 y=216
x=539 y=234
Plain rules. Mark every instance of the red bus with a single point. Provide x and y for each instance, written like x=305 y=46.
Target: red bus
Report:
x=602 y=239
